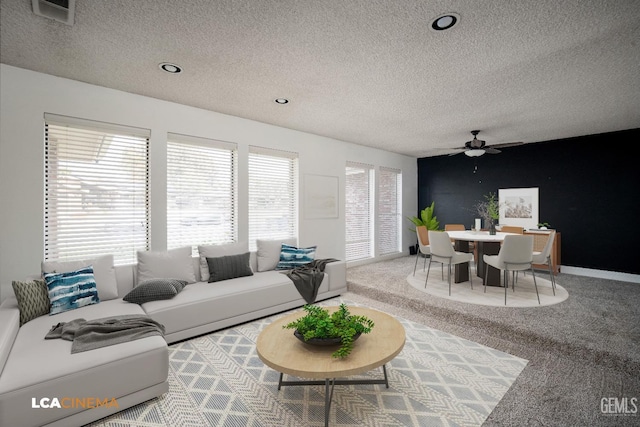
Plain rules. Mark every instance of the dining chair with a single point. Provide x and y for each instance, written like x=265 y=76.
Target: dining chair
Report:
x=544 y=257
x=454 y=227
x=512 y=229
x=423 y=245
x=516 y=254
x=443 y=252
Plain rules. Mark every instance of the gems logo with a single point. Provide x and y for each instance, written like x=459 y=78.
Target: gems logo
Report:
x=73 y=402
x=619 y=406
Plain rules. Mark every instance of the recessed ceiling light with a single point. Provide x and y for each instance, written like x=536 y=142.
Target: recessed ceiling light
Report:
x=170 y=68
x=445 y=21
x=281 y=101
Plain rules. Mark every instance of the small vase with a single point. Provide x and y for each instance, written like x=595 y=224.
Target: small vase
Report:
x=492 y=227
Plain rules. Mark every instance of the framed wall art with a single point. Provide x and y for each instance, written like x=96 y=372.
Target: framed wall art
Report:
x=519 y=207
x=320 y=196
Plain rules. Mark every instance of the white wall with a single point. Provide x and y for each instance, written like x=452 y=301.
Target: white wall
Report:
x=24 y=98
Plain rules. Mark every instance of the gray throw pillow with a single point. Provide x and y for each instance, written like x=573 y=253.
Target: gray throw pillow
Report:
x=155 y=289
x=229 y=267
x=33 y=299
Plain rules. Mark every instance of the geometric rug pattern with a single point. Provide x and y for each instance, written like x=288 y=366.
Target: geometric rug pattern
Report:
x=524 y=294
x=218 y=380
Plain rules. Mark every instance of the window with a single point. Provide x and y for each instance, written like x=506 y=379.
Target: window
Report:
x=273 y=194
x=96 y=190
x=201 y=191
x=389 y=210
x=359 y=211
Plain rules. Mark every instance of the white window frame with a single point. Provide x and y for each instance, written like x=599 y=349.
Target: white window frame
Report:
x=359 y=220
x=96 y=190
x=272 y=195
x=201 y=191
x=389 y=211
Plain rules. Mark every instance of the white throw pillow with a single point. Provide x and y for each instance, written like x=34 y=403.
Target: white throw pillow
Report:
x=217 y=251
x=269 y=252
x=171 y=264
x=103 y=272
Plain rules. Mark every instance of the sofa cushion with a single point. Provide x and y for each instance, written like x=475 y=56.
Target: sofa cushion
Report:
x=103 y=272
x=71 y=290
x=229 y=267
x=269 y=252
x=155 y=289
x=33 y=299
x=215 y=251
x=174 y=263
x=292 y=257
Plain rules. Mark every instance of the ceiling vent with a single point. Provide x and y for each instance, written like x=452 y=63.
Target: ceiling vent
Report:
x=60 y=10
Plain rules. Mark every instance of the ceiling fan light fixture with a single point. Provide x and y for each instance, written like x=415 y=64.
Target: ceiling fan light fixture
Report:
x=476 y=152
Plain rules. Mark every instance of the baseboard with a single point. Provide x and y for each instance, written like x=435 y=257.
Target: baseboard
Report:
x=601 y=274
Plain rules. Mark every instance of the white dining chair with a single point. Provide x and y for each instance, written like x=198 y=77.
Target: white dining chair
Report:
x=443 y=252
x=516 y=254
x=544 y=257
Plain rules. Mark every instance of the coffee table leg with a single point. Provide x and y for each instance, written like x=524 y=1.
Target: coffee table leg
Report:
x=386 y=380
x=328 y=395
x=280 y=381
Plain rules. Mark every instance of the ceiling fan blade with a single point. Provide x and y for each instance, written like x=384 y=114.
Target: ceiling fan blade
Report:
x=507 y=144
x=491 y=150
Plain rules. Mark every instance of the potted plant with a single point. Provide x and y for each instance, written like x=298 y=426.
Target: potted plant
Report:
x=340 y=327
x=544 y=226
x=427 y=218
x=489 y=210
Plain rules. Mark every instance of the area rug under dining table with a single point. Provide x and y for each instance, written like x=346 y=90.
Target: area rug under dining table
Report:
x=218 y=380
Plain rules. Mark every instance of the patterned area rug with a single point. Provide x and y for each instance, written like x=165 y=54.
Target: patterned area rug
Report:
x=218 y=380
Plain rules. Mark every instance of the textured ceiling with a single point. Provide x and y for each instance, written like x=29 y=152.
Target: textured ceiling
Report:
x=370 y=72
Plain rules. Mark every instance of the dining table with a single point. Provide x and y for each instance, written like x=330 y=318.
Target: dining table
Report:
x=485 y=243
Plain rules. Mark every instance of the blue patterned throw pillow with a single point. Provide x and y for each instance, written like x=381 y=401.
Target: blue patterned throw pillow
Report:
x=68 y=291
x=292 y=257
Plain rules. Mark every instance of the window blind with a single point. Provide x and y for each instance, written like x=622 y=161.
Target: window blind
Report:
x=201 y=191
x=273 y=194
x=389 y=210
x=96 y=190
x=358 y=211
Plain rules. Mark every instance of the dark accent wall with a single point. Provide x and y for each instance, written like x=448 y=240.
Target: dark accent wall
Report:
x=589 y=190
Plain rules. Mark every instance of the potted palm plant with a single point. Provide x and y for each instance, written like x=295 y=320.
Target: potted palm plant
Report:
x=426 y=219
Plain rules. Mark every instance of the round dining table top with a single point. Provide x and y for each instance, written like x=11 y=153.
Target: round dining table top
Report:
x=478 y=236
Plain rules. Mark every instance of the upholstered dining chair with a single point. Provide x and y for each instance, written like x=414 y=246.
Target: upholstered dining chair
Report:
x=544 y=257
x=423 y=245
x=442 y=252
x=512 y=229
x=516 y=254
x=454 y=227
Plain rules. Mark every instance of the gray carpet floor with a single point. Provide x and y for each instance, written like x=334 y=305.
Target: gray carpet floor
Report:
x=580 y=351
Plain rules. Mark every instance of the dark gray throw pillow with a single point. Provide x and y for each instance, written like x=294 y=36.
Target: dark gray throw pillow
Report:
x=229 y=267
x=155 y=289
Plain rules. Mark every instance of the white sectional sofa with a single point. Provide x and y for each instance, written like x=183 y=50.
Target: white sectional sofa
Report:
x=32 y=368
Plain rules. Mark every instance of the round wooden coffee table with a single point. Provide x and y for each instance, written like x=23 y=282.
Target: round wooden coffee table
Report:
x=279 y=349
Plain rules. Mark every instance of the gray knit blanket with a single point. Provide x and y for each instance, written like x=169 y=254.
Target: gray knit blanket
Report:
x=308 y=278
x=92 y=334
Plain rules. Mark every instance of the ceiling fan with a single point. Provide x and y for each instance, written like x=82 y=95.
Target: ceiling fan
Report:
x=476 y=147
